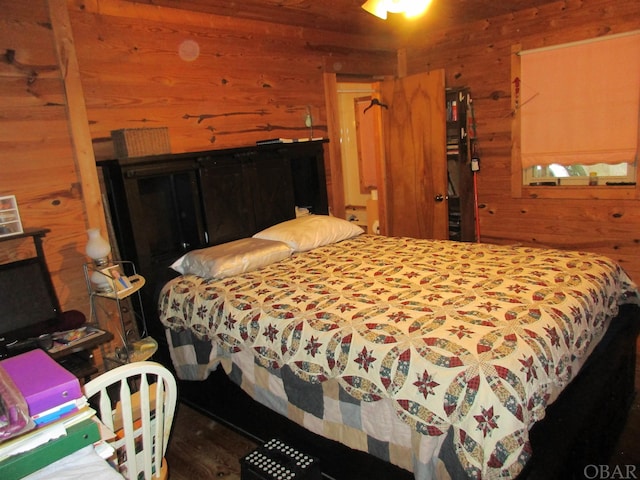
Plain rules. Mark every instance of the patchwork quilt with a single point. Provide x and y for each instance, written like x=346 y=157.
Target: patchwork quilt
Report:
x=469 y=340
x=324 y=408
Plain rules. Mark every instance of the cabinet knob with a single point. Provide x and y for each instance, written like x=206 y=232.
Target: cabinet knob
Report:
x=439 y=198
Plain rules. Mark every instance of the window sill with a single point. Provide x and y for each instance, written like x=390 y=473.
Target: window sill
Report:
x=603 y=192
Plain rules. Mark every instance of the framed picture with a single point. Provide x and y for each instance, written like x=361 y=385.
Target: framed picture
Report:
x=10 y=223
x=118 y=282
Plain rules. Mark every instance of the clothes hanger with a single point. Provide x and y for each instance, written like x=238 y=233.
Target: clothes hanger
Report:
x=375 y=101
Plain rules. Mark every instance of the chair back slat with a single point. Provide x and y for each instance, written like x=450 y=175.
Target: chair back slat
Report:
x=104 y=409
x=127 y=425
x=160 y=427
x=146 y=412
x=137 y=401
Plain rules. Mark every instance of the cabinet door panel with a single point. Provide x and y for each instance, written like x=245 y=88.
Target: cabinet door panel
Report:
x=165 y=215
x=272 y=190
x=309 y=179
x=226 y=198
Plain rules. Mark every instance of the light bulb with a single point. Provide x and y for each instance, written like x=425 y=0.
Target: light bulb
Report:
x=415 y=9
x=410 y=8
x=397 y=6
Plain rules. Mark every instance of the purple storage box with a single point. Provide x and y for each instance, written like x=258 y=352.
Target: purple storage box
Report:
x=43 y=383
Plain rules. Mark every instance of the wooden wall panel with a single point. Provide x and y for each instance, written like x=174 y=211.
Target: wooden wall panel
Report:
x=251 y=80
x=36 y=155
x=36 y=152
x=478 y=56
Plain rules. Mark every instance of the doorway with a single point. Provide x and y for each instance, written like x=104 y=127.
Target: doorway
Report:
x=361 y=149
x=412 y=176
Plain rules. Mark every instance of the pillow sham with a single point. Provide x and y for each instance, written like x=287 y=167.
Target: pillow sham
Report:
x=311 y=231
x=232 y=258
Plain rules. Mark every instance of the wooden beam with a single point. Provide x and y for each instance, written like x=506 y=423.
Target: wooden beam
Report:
x=77 y=115
x=402 y=63
x=335 y=182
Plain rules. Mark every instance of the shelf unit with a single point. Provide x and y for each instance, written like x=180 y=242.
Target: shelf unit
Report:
x=134 y=347
x=460 y=176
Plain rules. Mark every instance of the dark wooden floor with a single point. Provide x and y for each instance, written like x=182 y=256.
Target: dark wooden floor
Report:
x=202 y=449
x=628 y=450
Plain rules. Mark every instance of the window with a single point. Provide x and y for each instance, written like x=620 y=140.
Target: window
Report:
x=596 y=174
x=576 y=109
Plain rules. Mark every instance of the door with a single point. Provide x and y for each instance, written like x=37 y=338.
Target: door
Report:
x=413 y=195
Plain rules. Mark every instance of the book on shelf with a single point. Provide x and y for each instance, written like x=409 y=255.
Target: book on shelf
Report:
x=69 y=338
x=288 y=140
x=121 y=286
x=274 y=140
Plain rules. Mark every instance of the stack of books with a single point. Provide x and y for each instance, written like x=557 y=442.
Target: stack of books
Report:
x=64 y=422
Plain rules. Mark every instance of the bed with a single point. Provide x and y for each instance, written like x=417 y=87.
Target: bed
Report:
x=435 y=356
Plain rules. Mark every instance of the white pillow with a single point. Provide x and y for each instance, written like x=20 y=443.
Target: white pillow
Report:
x=232 y=258
x=310 y=231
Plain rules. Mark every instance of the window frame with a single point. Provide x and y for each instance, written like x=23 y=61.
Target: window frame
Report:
x=520 y=190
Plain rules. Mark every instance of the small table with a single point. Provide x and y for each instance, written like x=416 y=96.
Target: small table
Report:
x=78 y=357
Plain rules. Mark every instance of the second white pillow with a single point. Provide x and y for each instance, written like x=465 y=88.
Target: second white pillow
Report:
x=311 y=231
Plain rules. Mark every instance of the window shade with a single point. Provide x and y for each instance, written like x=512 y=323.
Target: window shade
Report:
x=579 y=102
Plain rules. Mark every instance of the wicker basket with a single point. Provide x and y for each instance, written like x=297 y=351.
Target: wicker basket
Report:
x=140 y=142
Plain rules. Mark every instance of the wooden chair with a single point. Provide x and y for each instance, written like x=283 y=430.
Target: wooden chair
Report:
x=137 y=402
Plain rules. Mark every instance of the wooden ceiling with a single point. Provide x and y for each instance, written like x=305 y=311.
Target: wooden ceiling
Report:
x=348 y=16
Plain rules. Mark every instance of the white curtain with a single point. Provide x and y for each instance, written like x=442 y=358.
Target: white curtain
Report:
x=579 y=103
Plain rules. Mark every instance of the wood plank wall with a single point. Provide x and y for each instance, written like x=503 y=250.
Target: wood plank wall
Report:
x=478 y=57
x=245 y=80
x=36 y=152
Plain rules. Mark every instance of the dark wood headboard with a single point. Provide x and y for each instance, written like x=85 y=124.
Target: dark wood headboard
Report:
x=165 y=205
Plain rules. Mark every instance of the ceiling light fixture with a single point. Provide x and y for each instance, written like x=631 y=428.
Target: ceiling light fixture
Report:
x=410 y=8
